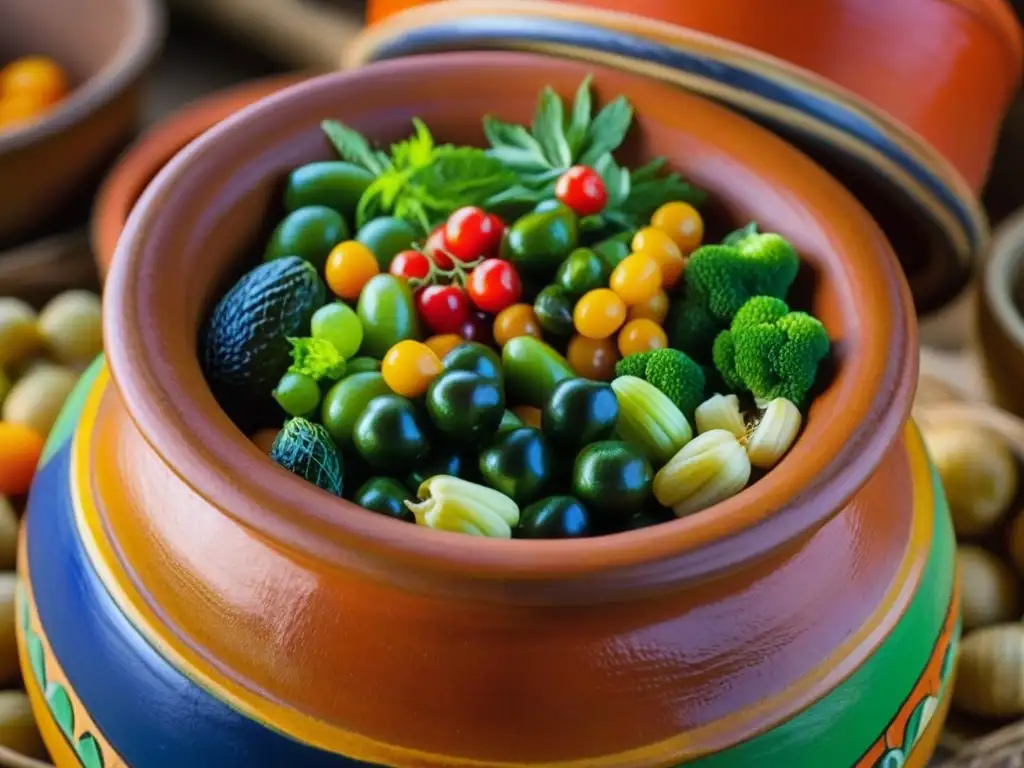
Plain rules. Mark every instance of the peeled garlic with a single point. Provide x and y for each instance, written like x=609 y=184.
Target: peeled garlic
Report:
x=721 y=412
x=19 y=334
x=709 y=469
x=72 y=326
x=978 y=473
x=17 y=725
x=988 y=588
x=37 y=399
x=774 y=434
x=990 y=677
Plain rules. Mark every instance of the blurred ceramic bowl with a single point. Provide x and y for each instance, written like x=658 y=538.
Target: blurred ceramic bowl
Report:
x=1000 y=316
x=154 y=149
x=927 y=210
x=945 y=68
x=106 y=48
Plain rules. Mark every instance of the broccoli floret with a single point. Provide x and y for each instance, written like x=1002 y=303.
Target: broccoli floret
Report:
x=678 y=376
x=691 y=328
x=723 y=277
x=770 y=351
x=737 y=235
x=317 y=358
x=633 y=365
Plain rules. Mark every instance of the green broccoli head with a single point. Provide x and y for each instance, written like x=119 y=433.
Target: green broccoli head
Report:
x=723 y=277
x=633 y=365
x=678 y=376
x=770 y=351
x=692 y=328
x=738 y=235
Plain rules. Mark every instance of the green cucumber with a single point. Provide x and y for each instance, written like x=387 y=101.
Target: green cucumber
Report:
x=532 y=369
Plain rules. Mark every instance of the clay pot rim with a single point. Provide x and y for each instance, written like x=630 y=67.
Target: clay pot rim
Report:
x=877 y=389
x=141 y=162
x=134 y=55
x=1005 y=269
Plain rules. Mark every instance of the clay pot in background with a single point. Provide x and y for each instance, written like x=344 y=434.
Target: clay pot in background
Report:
x=106 y=46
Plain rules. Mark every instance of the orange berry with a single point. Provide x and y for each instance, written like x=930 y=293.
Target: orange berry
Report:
x=517 y=320
x=19 y=109
x=529 y=415
x=34 y=75
x=593 y=359
x=409 y=367
x=20 y=449
x=655 y=308
x=636 y=279
x=599 y=314
x=350 y=266
x=682 y=222
x=662 y=248
x=443 y=344
x=641 y=336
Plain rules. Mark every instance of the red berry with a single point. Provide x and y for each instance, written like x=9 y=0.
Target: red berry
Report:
x=494 y=284
x=412 y=265
x=444 y=308
x=471 y=233
x=436 y=249
x=582 y=189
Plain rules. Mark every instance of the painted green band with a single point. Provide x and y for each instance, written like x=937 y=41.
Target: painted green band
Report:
x=837 y=730
x=66 y=422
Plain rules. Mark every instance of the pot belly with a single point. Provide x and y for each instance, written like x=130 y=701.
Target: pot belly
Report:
x=119 y=682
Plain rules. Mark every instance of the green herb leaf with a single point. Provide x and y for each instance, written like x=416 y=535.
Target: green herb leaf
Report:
x=549 y=129
x=517 y=194
x=649 y=171
x=616 y=180
x=351 y=146
x=416 y=151
x=647 y=196
x=608 y=130
x=316 y=358
x=520 y=160
x=576 y=133
x=502 y=134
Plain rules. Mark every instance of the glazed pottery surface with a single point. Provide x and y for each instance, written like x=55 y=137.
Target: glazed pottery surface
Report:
x=140 y=164
x=927 y=210
x=1000 y=331
x=945 y=68
x=809 y=621
x=106 y=47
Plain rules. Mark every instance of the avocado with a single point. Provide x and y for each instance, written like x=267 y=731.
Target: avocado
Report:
x=305 y=449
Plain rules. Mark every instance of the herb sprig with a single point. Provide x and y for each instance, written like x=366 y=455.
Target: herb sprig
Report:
x=423 y=182
x=419 y=181
x=560 y=138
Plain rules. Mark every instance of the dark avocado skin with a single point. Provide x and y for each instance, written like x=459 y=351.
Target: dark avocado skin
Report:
x=305 y=449
x=465 y=406
x=520 y=464
x=387 y=497
x=578 y=413
x=612 y=478
x=556 y=517
x=244 y=347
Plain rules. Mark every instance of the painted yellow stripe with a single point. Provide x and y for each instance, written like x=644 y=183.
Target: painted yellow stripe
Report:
x=61 y=752
x=298 y=725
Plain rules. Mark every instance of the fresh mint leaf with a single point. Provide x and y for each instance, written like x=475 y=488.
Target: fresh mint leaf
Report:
x=520 y=160
x=607 y=131
x=463 y=172
x=502 y=134
x=549 y=129
x=616 y=180
x=649 y=171
x=351 y=146
x=576 y=133
x=647 y=196
x=517 y=194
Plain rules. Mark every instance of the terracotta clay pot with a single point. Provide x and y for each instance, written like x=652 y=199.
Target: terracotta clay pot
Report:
x=197 y=605
x=945 y=68
x=140 y=164
x=106 y=46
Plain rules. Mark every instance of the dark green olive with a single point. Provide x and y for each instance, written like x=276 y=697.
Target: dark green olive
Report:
x=385 y=497
x=556 y=517
x=581 y=272
x=553 y=307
